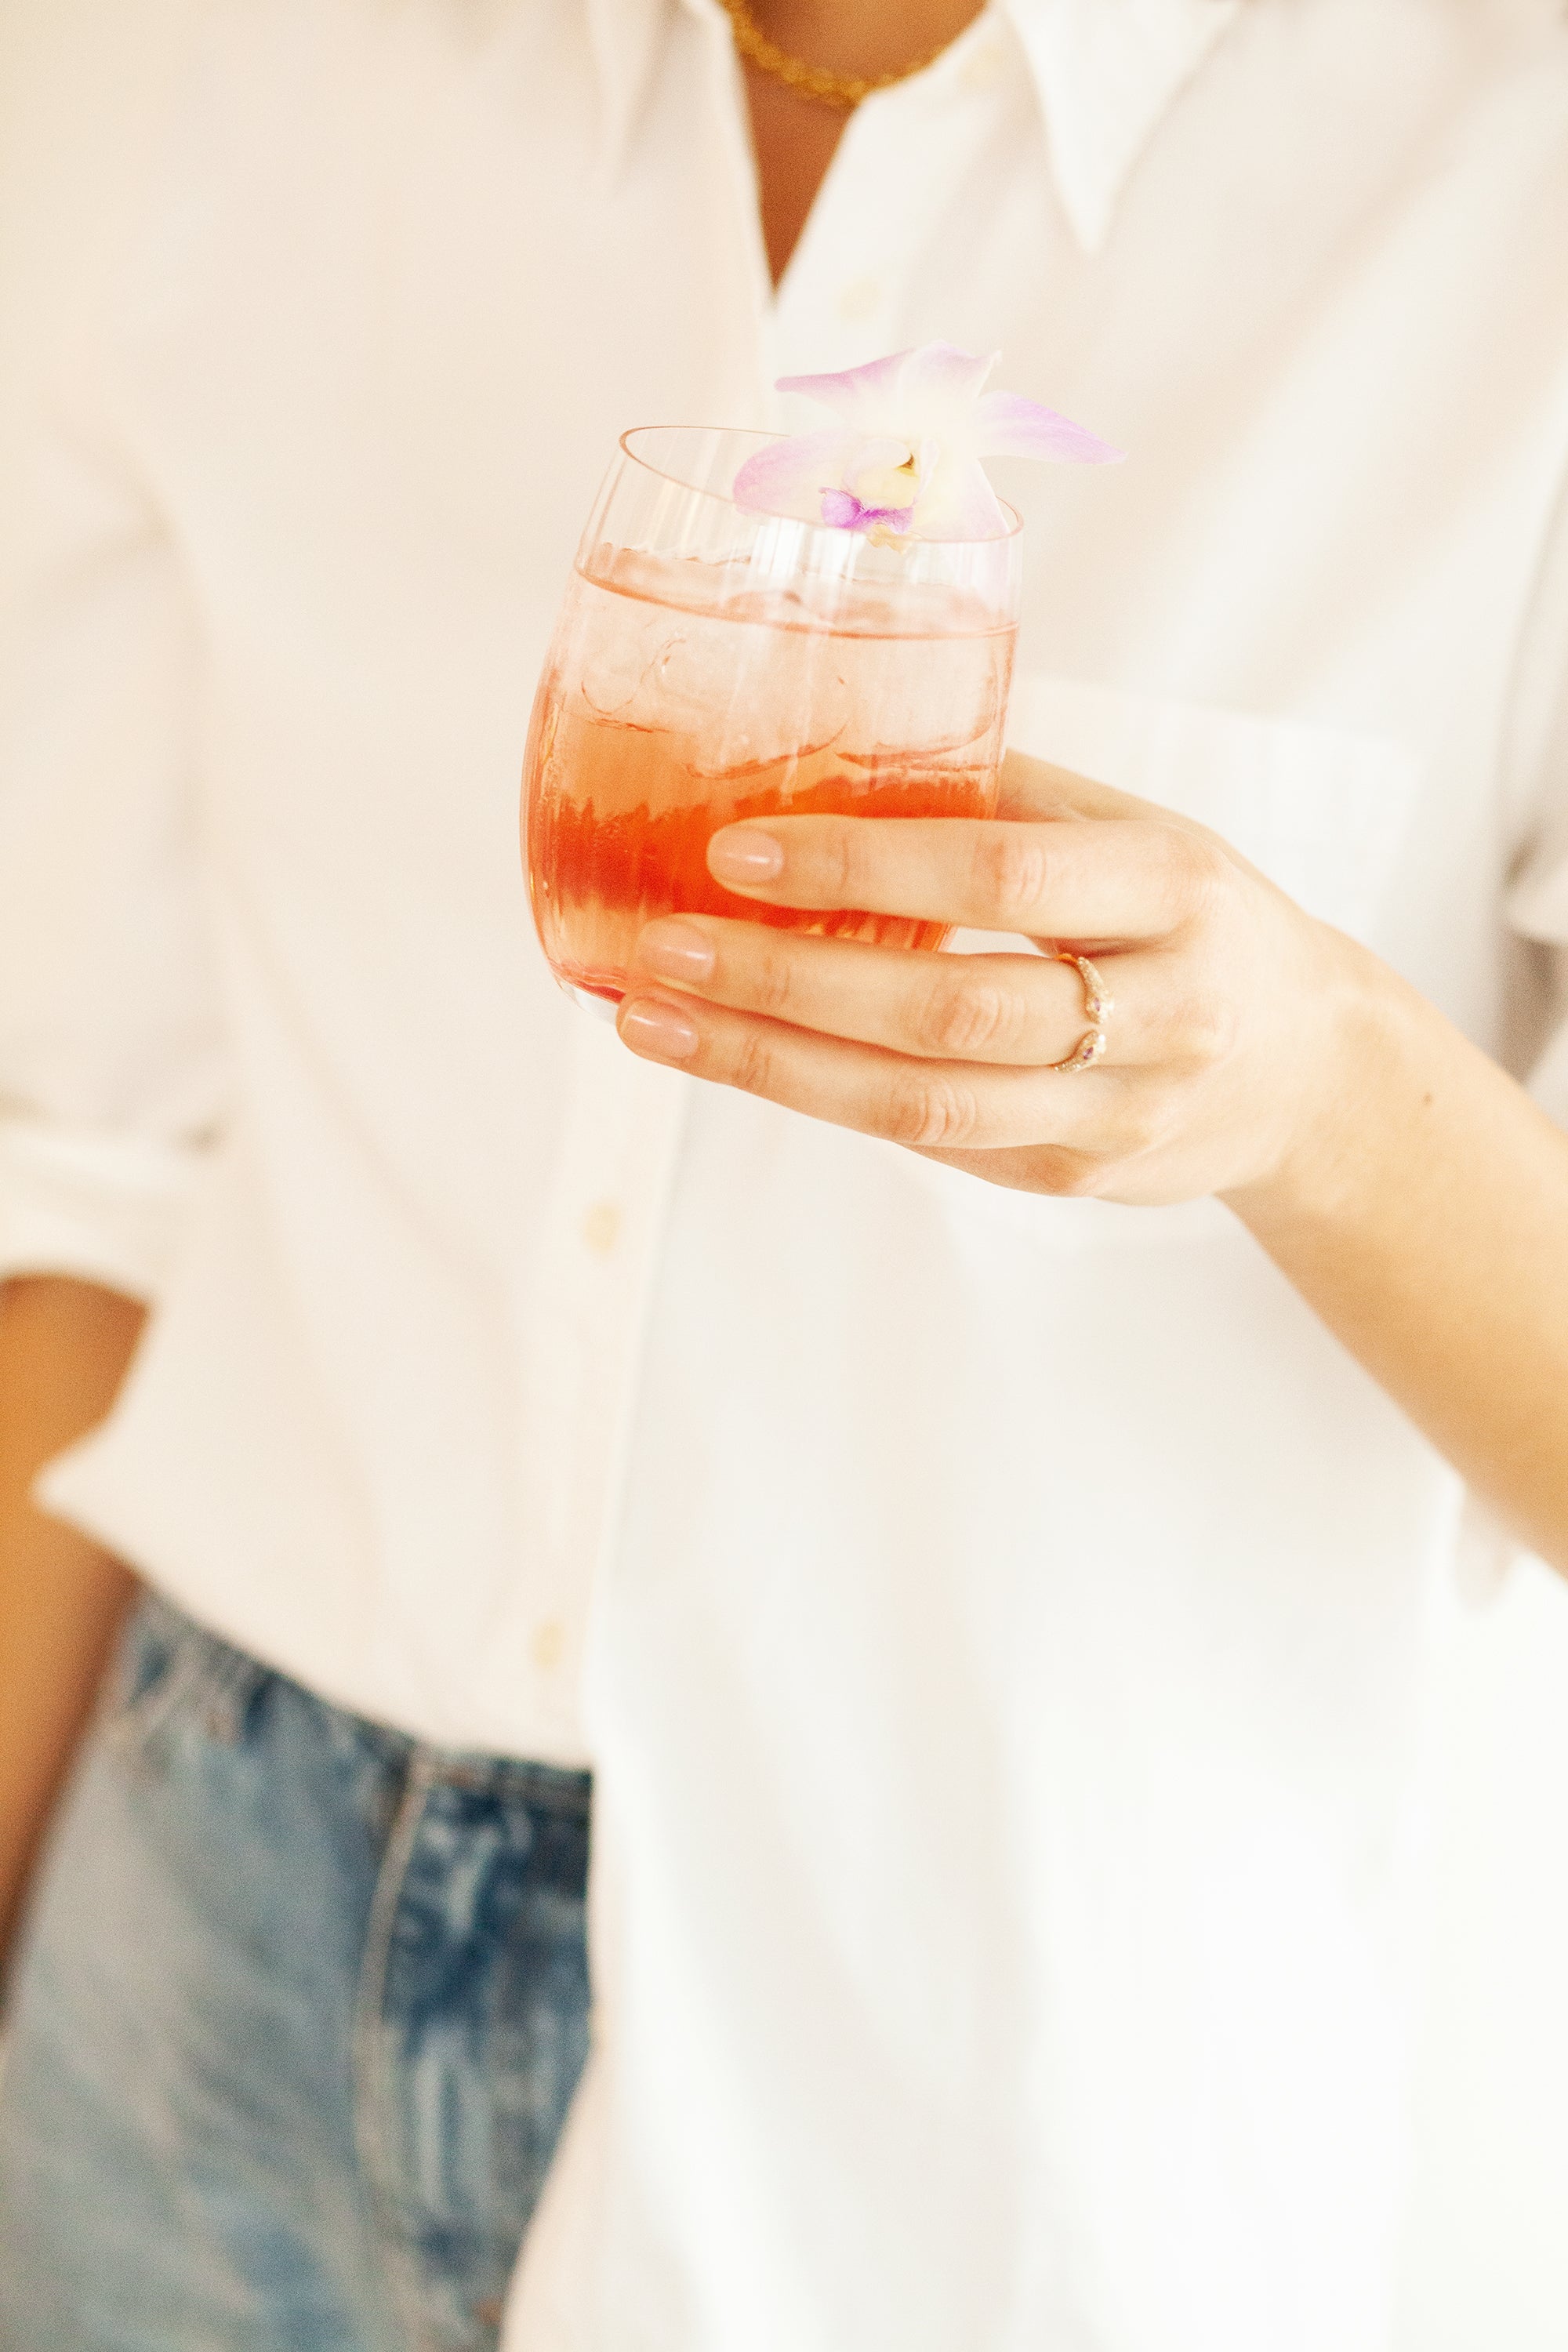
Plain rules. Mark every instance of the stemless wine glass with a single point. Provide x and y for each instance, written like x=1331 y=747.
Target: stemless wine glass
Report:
x=712 y=663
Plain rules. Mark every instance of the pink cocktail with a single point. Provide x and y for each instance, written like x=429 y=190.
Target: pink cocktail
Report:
x=710 y=665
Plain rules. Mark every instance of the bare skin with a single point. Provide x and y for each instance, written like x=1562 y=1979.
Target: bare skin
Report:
x=1411 y=1191
x=64 y=1347
x=794 y=137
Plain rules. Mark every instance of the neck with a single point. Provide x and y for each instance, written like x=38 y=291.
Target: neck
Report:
x=794 y=137
x=865 y=37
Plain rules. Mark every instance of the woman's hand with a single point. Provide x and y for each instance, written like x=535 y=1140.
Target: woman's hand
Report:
x=1226 y=1051
x=1411 y=1191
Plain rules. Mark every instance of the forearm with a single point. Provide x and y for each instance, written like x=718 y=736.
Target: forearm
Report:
x=1425 y=1218
x=64 y=1347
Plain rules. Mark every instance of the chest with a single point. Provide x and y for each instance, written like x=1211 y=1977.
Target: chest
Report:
x=377 y=389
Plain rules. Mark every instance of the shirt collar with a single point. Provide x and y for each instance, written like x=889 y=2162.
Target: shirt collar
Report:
x=1108 y=72
x=624 y=37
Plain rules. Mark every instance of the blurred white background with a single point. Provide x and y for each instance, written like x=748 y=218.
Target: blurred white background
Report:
x=1486 y=2264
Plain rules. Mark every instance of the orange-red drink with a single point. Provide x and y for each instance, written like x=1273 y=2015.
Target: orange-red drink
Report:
x=679 y=697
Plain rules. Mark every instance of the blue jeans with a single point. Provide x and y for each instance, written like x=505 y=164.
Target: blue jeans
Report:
x=299 y=2014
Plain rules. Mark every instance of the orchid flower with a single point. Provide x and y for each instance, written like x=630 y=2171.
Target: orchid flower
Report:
x=903 y=460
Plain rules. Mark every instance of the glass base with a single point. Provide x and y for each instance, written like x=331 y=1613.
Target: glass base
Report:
x=599 y=1006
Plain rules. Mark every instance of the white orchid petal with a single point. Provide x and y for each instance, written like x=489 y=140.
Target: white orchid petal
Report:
x=958 y=502
x=939 y=387
x=1009 y=425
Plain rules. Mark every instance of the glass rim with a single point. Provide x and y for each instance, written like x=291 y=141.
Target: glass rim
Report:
x=831 y=531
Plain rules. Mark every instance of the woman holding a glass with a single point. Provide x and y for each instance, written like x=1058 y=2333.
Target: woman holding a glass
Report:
x=971 y=1550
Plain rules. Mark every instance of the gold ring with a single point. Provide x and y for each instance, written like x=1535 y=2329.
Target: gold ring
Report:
x=1096 y=1005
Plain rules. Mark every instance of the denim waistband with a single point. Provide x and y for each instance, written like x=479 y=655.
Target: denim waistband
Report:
x=170 y=1667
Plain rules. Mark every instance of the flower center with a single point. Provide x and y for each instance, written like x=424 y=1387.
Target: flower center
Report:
x=888 y=485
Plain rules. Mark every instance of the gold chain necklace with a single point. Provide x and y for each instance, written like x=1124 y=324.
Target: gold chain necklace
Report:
x=842 y=90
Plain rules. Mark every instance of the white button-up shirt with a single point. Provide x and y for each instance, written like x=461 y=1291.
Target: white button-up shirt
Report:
x=998 y=1625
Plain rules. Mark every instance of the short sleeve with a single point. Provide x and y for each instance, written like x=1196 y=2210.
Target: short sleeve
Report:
x=111 y=1047
x=1537 y=900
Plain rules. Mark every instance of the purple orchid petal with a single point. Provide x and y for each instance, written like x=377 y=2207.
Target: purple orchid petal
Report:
x=1010 y=426
x=789 y=478
x=934 y=384
x=842 y=509
x=861 y=395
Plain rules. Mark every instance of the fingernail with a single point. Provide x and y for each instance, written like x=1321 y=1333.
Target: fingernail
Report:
x=660 y=1030
x=676 y=951
x=740 y=854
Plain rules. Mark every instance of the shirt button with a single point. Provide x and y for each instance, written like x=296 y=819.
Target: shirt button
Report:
x=860 y=299
x=549 y=1644
x=602 y=1228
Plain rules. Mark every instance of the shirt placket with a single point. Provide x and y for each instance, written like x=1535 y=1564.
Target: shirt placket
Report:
x=596 y=1249
x=846 y=296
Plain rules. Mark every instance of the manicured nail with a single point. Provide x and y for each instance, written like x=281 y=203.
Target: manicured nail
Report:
x=653 y=1027
x=676 y=951
x=742 y=854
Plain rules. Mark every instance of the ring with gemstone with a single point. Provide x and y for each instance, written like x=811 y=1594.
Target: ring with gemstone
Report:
x=1096 y=1005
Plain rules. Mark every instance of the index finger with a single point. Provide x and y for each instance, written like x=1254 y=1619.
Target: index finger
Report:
x=1098 y=878
x=1039 y=789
